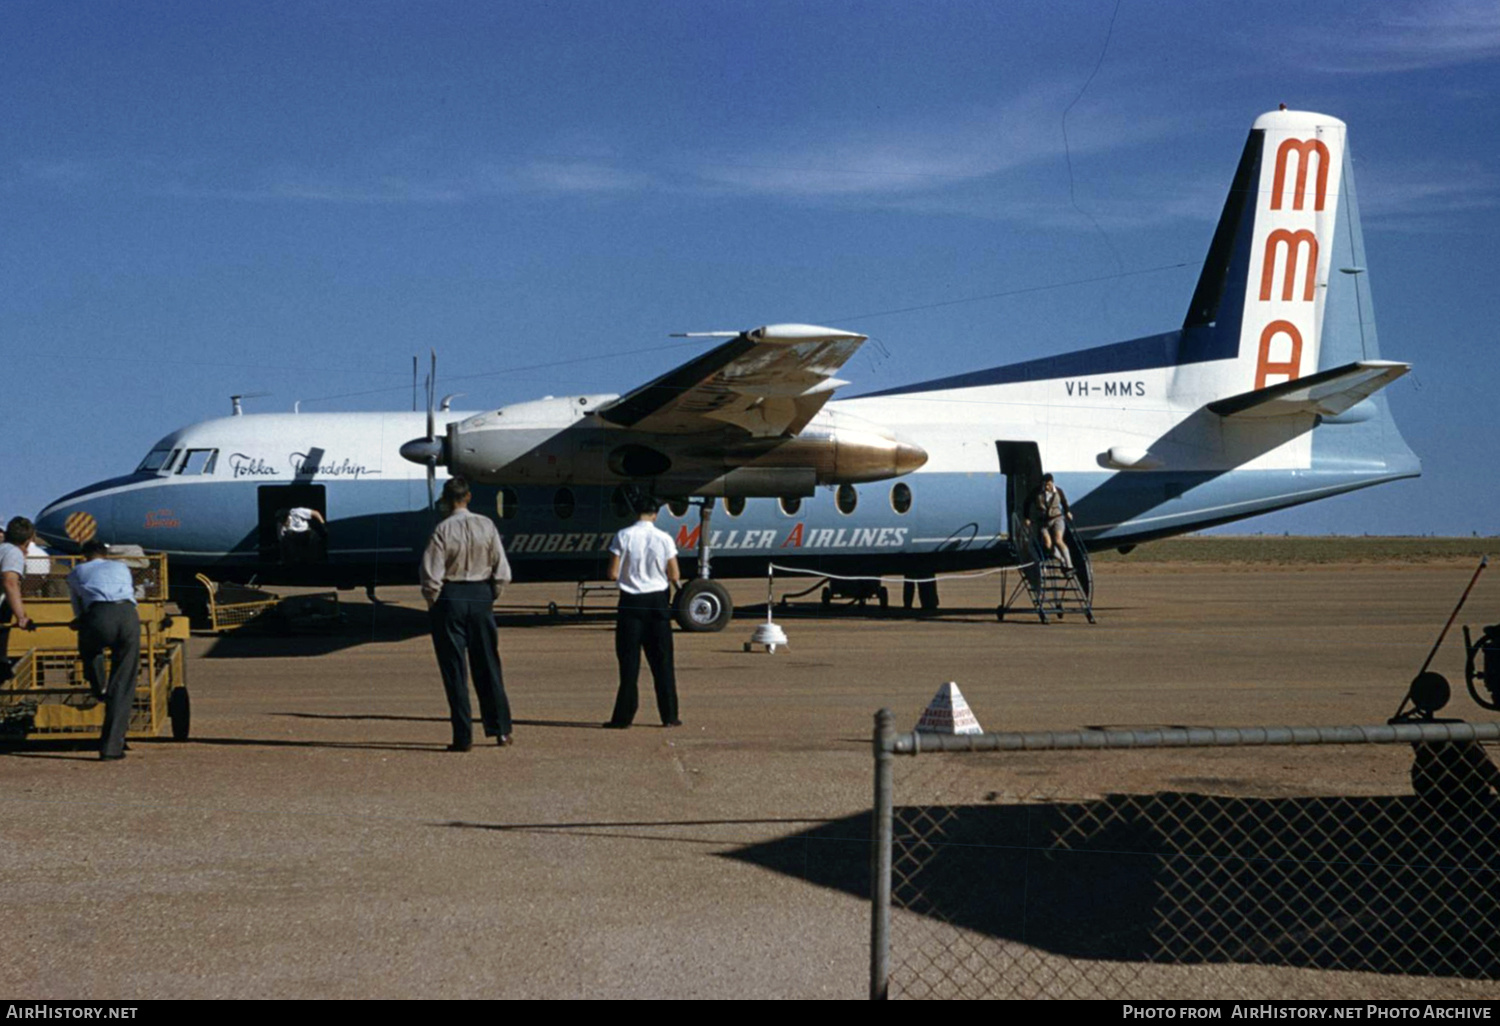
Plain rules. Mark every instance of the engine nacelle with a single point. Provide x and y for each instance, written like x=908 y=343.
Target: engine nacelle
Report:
x=559 y=441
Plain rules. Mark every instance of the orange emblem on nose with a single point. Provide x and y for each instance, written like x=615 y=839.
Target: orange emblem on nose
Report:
x=81 y=527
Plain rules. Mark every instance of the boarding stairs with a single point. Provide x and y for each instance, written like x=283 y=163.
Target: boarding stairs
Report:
x=1052 y=590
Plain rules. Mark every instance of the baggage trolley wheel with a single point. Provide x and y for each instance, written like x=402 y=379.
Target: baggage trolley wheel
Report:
x=180 y=712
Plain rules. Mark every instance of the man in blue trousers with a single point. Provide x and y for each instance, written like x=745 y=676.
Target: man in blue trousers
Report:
x=103 y=595
x=462 y=571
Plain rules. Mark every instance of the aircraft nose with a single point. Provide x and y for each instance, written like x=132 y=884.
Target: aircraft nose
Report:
x=68 y=524
x=423 y=451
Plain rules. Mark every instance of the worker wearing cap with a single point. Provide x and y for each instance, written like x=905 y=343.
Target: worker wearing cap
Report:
x=643 y=558
x=103 y=595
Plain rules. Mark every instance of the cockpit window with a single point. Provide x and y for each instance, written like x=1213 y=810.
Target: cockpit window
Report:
x=155 y=460
x=199 y=461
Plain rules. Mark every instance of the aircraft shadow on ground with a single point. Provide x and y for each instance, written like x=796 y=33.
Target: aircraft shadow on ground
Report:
x=1391 y=885
x=387 y=622
x=360 y=623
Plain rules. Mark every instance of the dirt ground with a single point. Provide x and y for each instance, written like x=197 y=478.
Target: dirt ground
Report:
x=313 y=839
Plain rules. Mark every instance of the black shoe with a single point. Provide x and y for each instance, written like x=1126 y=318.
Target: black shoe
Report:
x=672 y=723
x=612 y=725
x=457 y=747
x=504 y=741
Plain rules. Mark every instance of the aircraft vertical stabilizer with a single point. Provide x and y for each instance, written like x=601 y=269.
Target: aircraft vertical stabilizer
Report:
x=1257 y=317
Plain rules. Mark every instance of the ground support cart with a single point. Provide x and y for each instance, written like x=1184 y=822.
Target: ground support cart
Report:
x=47 y=697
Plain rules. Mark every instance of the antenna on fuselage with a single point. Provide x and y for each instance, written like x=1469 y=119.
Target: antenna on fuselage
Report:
x=234 y=401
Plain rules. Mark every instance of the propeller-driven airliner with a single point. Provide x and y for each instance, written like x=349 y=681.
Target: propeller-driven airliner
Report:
x=1266 y=396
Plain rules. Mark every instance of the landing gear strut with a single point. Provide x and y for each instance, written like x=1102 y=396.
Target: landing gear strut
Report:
x=703 y=605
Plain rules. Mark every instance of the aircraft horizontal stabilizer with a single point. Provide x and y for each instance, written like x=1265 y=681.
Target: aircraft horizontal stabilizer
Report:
x=1327 y=393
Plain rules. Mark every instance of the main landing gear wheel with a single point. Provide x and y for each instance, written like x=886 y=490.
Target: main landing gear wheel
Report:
x=703 y=606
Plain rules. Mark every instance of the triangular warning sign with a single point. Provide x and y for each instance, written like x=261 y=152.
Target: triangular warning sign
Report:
x=949 y=713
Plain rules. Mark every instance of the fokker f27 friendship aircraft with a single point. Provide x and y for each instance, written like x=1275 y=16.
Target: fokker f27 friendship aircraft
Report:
x=1264 y=398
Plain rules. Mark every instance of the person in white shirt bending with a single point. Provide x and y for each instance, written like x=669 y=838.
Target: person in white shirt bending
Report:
x=643 y=558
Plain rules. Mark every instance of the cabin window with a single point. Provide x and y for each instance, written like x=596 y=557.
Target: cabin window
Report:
x=563 y=503
x=506 y=504
x=199 y=461
x=679 y=507
x=155 y=460
x=735 y=505
x=901 y=497
x=790 y=504
x=846 y=499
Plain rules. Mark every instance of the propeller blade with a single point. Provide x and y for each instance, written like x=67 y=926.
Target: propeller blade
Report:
x=431 y=430
x=431 y=391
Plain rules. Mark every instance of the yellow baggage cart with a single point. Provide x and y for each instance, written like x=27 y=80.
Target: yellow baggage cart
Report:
x=47 y=696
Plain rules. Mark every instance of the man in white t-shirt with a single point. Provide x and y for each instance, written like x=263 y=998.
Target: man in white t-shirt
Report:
x=643 y=558
x=300 y=531
x=18 y=533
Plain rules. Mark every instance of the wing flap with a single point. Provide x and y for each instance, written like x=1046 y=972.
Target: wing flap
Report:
x=767 y=382
x=1327 y=393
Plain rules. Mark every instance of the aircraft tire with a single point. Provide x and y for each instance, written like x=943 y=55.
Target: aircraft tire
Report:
x=180 y=713
x=703 y=607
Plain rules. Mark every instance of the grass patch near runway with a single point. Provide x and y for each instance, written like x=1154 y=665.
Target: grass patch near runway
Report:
x=1289 y=549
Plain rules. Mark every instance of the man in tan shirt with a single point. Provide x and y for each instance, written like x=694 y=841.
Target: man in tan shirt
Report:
x=462 y=572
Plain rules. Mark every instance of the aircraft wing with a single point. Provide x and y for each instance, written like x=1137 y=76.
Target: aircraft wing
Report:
x=768 y=382
x=1326 y=393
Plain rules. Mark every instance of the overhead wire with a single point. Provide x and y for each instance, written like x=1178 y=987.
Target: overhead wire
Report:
x=1067 y=147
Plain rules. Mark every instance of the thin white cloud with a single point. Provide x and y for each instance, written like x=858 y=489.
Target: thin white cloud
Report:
x=575 y=177
x=1426 y=197
x=1410 y=37
x=930 y=156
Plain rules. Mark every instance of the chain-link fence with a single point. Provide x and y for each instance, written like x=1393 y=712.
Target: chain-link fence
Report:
x=1353 y=862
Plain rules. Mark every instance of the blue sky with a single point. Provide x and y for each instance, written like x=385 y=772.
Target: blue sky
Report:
x=204 y=199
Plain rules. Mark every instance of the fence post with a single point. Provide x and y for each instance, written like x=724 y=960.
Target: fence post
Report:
x=880 y=859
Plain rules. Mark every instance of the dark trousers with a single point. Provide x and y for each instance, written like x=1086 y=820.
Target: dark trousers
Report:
x=115 y=626
x=465 y=640
x=6 y=619
x=645 y=621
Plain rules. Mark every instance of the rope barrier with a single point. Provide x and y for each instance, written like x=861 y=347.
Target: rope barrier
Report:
x=771 y=569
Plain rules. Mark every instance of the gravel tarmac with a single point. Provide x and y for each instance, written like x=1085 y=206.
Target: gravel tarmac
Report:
x=313 y=840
